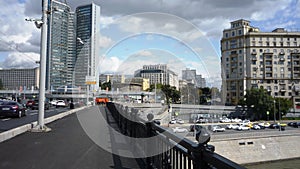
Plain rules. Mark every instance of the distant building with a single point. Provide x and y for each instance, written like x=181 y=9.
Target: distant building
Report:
x=191 y=76
x=103 y=78
x=254 y=59
x=158 y=74
x=145 y=83
x=20 y=79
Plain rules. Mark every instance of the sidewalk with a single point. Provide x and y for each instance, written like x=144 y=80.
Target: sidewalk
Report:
x=66 y=147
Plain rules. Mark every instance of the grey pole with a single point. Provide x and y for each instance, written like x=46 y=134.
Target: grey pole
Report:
x=41 y=126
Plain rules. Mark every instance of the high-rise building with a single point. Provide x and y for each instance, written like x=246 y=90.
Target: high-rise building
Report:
x=87 y=32
x=59 y=70
x=254 y=59
x=72 y=45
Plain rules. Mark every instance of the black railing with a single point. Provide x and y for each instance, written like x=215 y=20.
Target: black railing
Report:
x=176 y=151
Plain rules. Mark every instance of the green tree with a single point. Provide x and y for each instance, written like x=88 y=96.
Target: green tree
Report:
x=260 y=102
x=172 y=95
x=282 y=106
x=105 y=85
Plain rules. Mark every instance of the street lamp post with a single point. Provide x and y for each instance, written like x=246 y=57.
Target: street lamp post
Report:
x=43 y=24
x=274 y=111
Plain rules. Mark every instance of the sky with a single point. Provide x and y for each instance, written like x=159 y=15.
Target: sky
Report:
x=180 y=33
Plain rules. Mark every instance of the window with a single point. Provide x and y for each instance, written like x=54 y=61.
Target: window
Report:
x=240 y=32
x=232 y=33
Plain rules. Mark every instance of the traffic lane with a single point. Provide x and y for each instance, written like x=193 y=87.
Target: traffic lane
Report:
x=66 y=146
x=31 y=116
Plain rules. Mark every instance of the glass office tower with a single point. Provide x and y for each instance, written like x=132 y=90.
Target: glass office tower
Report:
x=87 y=29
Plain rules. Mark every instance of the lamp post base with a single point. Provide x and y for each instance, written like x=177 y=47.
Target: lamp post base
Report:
x=39 y=129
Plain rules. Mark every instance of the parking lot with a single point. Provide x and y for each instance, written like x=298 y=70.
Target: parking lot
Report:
x=232 y=133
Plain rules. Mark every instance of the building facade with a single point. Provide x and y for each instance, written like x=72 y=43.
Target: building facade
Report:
x=20 y=79
x=72 y=45
x=59 y=69
x=87 y=32
x=158 y=74
x=254 y=59
x=191 y=76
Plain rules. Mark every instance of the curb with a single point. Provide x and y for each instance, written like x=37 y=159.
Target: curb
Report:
x=22 y=129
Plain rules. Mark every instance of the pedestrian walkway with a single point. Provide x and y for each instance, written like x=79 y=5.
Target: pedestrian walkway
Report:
x=66 y=147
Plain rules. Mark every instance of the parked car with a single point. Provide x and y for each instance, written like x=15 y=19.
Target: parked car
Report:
x=180 y=121
x=264 y=124
x=53 y=102
x=12 y=109
x=232 y=126
x=179 y=130
x=256 y=127
x=225 y=120
x=173 y=121
x=243 y=127
x=218 y=129
x=295 y=124
x=236 y=120
x=61 y=103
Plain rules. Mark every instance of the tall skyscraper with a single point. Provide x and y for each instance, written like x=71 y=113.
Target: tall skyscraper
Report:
x=72 y=45
x=254 y=59
x=87 y=29
x=59 y=45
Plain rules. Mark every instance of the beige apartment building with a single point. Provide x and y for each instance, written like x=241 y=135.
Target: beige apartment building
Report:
x=254 y=59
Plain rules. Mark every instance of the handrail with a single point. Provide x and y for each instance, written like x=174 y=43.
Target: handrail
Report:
x=181 y=153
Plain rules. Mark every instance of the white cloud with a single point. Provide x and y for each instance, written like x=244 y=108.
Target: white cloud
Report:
x=144 y=53
x=20 y=60
x=105 y=42
x=109 y=64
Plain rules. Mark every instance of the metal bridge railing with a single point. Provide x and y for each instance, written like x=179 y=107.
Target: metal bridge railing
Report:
x=177 y=151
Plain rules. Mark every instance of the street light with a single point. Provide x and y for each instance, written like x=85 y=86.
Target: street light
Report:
x=274 y=111
x=43 y=24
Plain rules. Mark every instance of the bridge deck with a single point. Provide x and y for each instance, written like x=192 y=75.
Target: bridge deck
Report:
x=66 y=146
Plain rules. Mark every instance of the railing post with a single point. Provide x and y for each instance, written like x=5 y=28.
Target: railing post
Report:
x=149 y=134
x=198 y=158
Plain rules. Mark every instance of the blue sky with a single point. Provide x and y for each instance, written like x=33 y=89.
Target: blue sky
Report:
x=188 y=31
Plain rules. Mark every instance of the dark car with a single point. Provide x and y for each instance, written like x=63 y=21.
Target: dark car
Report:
x=274 y=126
x=30 y=103
x=296 y=124
x=35 y=105
x=12 y=109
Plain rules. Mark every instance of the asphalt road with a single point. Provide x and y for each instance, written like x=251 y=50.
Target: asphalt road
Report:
x=31 y=116
x=66 y=147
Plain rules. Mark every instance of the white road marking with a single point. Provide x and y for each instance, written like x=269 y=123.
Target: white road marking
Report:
x=6 y=119
x=31 y=114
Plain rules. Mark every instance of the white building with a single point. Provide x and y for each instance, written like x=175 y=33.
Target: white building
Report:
x=158 y=74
